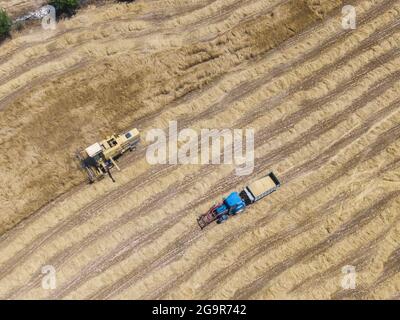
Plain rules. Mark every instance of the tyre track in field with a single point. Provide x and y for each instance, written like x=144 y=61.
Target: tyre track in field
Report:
x=6 y=100
x=245 y=89
x=248 y=87
x=60 y=53
x=357 y=258
x=361 y=218
x=391 y=268
x=56 y=54
x=160 y=18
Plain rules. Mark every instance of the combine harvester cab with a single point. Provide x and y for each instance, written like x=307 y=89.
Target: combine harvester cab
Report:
x=237 y=202
x=99 y=158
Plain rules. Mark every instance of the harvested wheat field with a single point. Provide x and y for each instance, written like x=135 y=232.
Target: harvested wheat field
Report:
x=324 y=104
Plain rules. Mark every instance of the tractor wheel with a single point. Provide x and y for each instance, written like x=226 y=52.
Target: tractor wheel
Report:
x=222 y=219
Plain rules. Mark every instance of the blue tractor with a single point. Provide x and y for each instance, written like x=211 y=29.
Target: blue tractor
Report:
x=231 y=205
x=237 y=202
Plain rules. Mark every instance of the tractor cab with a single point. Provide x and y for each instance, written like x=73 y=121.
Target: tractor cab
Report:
x=231 y=205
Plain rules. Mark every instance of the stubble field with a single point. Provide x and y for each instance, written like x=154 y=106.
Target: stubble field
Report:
x=324 y=104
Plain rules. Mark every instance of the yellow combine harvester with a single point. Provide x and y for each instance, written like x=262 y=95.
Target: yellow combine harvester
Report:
x=98 y=159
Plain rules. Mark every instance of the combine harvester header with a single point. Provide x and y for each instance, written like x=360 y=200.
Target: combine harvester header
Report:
x=237 y=202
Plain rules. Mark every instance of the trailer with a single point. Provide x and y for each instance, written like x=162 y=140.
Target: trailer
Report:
x=237 y=202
